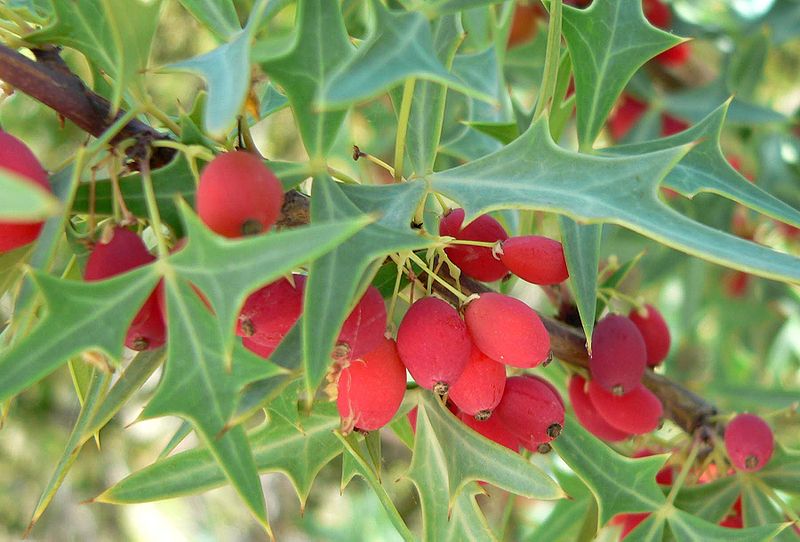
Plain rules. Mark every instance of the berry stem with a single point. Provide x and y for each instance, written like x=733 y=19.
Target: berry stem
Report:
x=551 y=61
x=402 y=128
x=685 y=469
x=152 y=209
x=461 y=297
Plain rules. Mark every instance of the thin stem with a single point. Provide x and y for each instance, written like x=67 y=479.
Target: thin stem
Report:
x=249 y=142
x=395 y=293
x=11 y=15
x=402 y=128
x=551 y=60
x=152 y=109
x=487 y=244
x=152 y=209
x=461 y=297
x=342 y=176
x=685 y=469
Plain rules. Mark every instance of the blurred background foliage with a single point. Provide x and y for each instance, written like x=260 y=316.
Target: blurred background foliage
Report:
x=737 y=337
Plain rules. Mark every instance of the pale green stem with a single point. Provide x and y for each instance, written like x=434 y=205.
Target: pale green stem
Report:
x=152 y=109
x=402 y=128
x=551 y=60
x=152 y=209
x=461 y=297
x=685 y=469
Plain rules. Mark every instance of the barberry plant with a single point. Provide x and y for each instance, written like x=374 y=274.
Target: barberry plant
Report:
x=450 y=247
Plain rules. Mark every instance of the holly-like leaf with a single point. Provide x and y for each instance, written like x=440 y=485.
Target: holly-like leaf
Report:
x=685 y=526
x=619 y=484
x=115 y=37
x=226 y=71
x=608 y=42
x=80 y=316
x=219 y=16
x=335 y=280
x=705 y=169
x=711 y=501
x=438 y=8
x=783 y=471
x=24 y=201
x=582 y=253
x=320 y=46
x=449 y=457
x=227 y=271
x=758 y=508
x=278 y=446
x=534 y=173
x=400 y=46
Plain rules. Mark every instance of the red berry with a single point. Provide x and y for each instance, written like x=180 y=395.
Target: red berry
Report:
x=365 y=327
x=749 y=442
x=735 y=283
x=412 y=419
x=672 y=125
x=18 y=159
x=523 y=23
x=126 y=251
x=734 y=520
x=657 y=13
x=480 y=387
x=619 y=355
x=675 y=56
x=270 y=312
x=238 y=195
x=665 y=475
x=629 y=522
x=492 y=429
x=536 y=259
x=265 y=351
x=507 y=330
x=434 y=344
x=587 y=414
x=372 y=388
x=654 y=331
x=531 y=410
x=476 y=262
x=637 y=412
x=625 y=116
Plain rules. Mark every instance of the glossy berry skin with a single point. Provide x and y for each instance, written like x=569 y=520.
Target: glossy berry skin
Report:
x=657 y=13
x=476 y=262
x=18 y=159
x=270 y=312
x=371 y=389
x=655 y=333
x=637 y=412
x=536 y=259
x=619 y=354
x=265 y=351
x=530 y=411
x=587 y=414
x=365 y=327
x=238 y=195
x=507 y=330
x=749 y=442
x=433 y=343
x=480 y=387
x=492 y=429
x=124 y=252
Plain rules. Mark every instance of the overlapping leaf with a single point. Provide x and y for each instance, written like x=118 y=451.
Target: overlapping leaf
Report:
x=758 y=508
x=437 y=8
x=219 y=16
x=23 y=200
x=711 y=501
x=582 y=253
x=533 y=173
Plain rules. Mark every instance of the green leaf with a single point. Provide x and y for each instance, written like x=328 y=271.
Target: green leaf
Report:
x=705 y=169
x=277 y=446
x=582 y=252
x=533 y=173
x=745 y=68
x=691 y=529
x=400 y=46
x=696 y=103
x=783 y=471
x=321 y=45
x=219 y=16
x=608 y=42
x=437 y=8
x=80 y=316
x=114 y=35
x=711 y=501
x=227 y=271
x=619 y=484
x=326 y=308
x=24 y=201
x=226 y=71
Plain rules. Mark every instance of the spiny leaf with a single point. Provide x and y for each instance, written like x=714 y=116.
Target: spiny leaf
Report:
x=687 y=527
x=783 y=471
x=582 y=252
x=219 y=16
x=24 y=201
x=711 y=501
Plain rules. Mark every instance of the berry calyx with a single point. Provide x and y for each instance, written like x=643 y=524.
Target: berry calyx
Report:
x=587 y=414
x=536 y=259
x=271 y=311
x=637 y=412
x=371 y=389
x=507 y=330
x=238 y=195
x=480 y=387
x=655 y=333
x=749 y=442
x=433 y=343
x=365 y=327
x=476 y=262
x=18 y=159
x=619 y=355
x=531 y=410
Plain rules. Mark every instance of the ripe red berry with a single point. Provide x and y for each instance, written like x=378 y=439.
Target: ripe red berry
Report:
x=629 y=522
x=625 y=116
x=270 y=312
x=126 y=251
x=657 y=13
x=675 y=56
x=507 y=330
x=371 y=389
x=265 y=351
x=480 y=387
x=18 y=159
x=749 y=442
x=619 y=355
x=476 y=262
x=672 y=125
x=365 y=327
x=434 y=344
x=587 y=414
x=238 y=195
x=492 y=429
x=531 y=410
x=654 y=331
x=536 y=259
x=637 y=412
x=523 y=23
